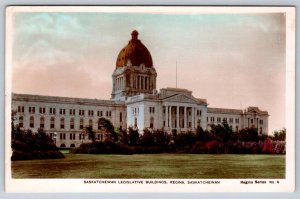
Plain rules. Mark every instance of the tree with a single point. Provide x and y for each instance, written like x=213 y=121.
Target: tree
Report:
x=279 y=135
x=202 y=135
x=161 y=138
x=123 y=136
x=249 y=134
x=147 y=139
x=108 y=127
x=222 y=132
x=91 y=133
x=133 y=136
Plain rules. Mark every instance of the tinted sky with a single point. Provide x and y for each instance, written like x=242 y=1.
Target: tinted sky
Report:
x=232 y=60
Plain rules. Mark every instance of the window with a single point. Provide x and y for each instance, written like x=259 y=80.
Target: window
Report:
x=237 y=120
x=108 y=113
x=32 y=109
x=81 y=112
x=198 y=123
x=62 y=136
x=99 y=125
x=72 y=123
x=81 y=123
x=120 y=116
x=151 y=122
x=52 y=111
x=261 y=122
x=164 y=110
x=251 y=121
x=21 y=121
x=62 y=123
x=62 y=111
x=42 y=122
x=31 y=122
x=72 y=111
x=99 y=113
x=21 y=109
x=42 y=110
x=135 y=122
x=81 y=136
x=230 y=120
x=219 y=119
x=72 y=136
x=260 y=130
x=52 y=123
x=151 y=109
x=91 y=123
x=91 y=113
x=212 y=119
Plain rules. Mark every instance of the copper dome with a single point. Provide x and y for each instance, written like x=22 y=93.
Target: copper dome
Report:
x=136 y=52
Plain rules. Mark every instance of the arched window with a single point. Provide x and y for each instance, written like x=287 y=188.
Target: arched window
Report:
x=72 y=145
x=42 y=122
x=91 y=123
x=135 y=122
x=72 y=123
x=21 y=121
x=62 y=123
x=62 y=145
x=52 y=123
x=198 y=123
x=99 y=124
x=81 y=123
x=31 y=122
x=151 y=122
x=260 y=130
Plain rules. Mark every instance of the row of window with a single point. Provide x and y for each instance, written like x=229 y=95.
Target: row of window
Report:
x=73 y=136
x=135 y=111
x=62 y=111
x=219 y=119
x=252 y=121
x=52 y=123
x=151 y=110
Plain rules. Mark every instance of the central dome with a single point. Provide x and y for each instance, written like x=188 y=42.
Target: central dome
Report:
x=135 y=52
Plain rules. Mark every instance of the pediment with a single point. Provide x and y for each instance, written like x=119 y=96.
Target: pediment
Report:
x=181 y=98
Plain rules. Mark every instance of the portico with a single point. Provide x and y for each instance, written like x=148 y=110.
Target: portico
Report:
x=181 y=117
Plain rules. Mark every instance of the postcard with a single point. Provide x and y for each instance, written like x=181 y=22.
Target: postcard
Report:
x=150 y=99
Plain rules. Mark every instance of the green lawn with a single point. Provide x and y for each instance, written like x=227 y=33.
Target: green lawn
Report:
x=153 y=166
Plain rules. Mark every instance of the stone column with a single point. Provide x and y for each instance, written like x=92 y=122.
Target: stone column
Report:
x=117 y=83
x=170 y=116
x=193 y=118
x=177 y=117
x=185 y=118
x=166 y=116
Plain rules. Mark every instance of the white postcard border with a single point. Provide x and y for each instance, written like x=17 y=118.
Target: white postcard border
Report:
x=226 y=185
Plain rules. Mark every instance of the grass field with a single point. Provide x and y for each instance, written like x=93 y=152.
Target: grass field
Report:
x=153 y=166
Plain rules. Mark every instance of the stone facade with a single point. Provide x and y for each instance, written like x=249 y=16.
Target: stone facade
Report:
x=66 y=117
x=134 y=103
